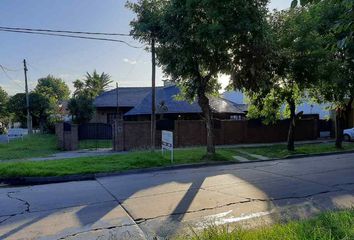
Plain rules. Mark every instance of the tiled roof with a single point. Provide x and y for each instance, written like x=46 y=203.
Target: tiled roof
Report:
x=166 y=97
x=127 y=97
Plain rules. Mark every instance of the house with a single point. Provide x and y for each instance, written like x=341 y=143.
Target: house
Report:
x=114 y=104
x=134 y=104
x=307 y=107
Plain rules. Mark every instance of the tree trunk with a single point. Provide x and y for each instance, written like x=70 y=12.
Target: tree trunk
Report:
x=339 y=128
x=41 y=124
x=291 y=133
x=204 y=104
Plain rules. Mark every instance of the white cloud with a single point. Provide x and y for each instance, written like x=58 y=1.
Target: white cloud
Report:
x=18 y=81
x=132 y=62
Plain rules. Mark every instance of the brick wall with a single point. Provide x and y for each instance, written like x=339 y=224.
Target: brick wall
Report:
x=67 y=140
x=193 y=133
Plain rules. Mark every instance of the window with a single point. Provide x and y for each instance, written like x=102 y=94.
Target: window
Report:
x=236 y=117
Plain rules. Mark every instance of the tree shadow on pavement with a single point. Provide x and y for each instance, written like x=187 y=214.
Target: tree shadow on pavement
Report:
x=160 y=201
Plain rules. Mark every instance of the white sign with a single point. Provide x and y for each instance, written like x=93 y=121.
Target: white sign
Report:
x=167 y=142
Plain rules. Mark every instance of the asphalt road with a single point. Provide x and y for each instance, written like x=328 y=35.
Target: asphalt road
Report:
x=162 y=204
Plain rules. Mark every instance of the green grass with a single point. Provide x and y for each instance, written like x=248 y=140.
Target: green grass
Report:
x=30 y=147
x=107 y=164
x=327 y=226
x=95 y=144
x=280 y=151
x=44 y=145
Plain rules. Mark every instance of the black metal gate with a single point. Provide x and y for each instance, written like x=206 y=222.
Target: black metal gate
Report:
x=95 y=136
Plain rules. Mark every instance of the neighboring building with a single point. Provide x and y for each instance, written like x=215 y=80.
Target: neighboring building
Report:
x=307 y=107
x=135 y=105
x=234 y=96
x=108 y=108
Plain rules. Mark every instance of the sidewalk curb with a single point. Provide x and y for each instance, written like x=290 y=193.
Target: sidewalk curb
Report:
x=27 y=181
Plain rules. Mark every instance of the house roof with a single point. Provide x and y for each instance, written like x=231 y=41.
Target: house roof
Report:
x=166 y=103
x=127 y=97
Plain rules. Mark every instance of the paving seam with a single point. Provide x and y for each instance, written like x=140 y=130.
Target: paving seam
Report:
x=124 y=208
x=63 y=209
x=248 y=200
x=334 y=187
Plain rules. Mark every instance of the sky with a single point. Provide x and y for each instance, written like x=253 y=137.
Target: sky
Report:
x=69 y=58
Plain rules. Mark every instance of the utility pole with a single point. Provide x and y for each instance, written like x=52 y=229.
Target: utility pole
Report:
x=29 y=119
x=153 y=102
x=117 y=95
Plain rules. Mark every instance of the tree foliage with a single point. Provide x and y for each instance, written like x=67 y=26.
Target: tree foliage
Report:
x=81 y=105
x=296 y=54
x=40 y=108
x=53 y=88
x=199 y=39
x=93 y=84
x=81 y=108
x=4 y=113
x=336 y=77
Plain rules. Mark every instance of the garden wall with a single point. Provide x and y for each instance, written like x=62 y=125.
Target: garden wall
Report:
x=136 y=135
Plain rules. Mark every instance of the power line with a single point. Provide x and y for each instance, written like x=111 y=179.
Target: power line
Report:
x=8 y=69
x=67 y=31
x=137 y=60
x=9 y=77
x=72 y=36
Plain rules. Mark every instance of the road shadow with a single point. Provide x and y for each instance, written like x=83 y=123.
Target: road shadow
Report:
x=274 y=184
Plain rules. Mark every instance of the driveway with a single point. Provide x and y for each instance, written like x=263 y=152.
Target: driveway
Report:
x=161 y=204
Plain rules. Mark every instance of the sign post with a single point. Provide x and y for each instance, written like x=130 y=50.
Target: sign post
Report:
x=167 y=142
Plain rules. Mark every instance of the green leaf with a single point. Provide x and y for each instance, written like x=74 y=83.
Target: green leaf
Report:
x=294 y=3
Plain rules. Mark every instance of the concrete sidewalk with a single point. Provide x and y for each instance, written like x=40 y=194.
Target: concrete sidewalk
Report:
x=162 y=204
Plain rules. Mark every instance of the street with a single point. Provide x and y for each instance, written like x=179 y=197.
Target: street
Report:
x=164 y=203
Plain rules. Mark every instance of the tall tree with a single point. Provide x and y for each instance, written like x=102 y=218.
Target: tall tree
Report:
x=86 y=90
x=52 y=87
x=198 y=39
x=295 y=58
x=93 y=84
x=336 y=77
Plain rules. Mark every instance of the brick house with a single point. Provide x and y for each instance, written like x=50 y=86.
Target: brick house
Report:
x=134 y=104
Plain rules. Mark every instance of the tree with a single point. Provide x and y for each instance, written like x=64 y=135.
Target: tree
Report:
x=4 y=113
x=86 y=90
x=40 y=108
x=198 y=39
x=17 y=106
x=93 y=84
x=81 y=108
x=336 y=75
x=278 y=102
x=52 y=87
x=79 y=87
x=296 y=3
x=295 y=58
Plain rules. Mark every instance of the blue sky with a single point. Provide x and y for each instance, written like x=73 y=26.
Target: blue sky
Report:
x=70 y=59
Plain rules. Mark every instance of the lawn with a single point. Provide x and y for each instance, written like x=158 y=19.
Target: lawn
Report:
x=107 y=164
x=327 y=226
x=42 y=145
x=280 y=151
x=30 y=147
